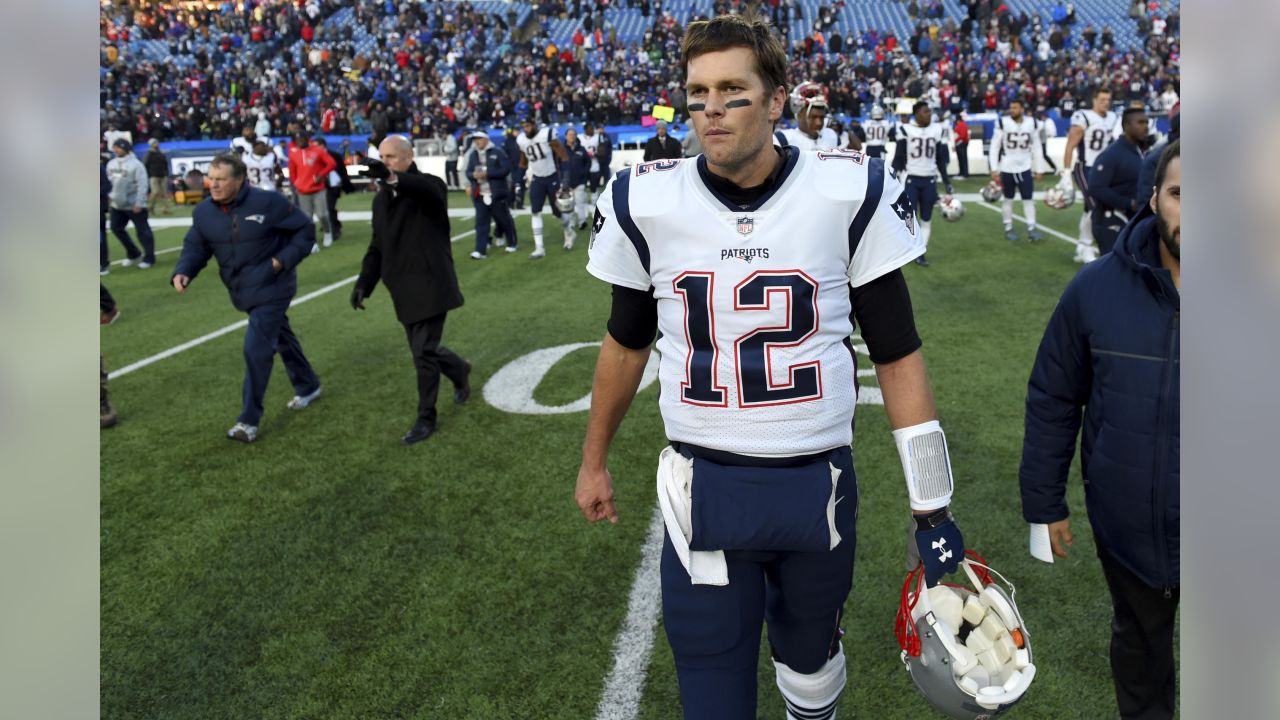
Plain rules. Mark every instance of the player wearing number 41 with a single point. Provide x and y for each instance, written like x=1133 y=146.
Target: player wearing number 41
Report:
x=1014 y=147
x=921 y=153
x=751 y=260
x=1109 y=357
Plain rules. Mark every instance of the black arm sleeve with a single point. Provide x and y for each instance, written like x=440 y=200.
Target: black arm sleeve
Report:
x=882 y=309
x=633 y=320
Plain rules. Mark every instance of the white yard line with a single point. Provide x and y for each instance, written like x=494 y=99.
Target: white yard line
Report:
x=1023 y=220
x=238 y=324
x=634 y=644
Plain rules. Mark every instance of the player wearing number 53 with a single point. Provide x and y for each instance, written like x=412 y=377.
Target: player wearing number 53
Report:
x=258 y=239
x=751 y=259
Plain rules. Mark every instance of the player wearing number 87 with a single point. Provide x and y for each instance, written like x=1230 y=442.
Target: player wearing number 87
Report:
x=730 y=256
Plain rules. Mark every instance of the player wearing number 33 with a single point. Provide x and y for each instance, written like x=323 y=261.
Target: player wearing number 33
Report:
x=752 y=260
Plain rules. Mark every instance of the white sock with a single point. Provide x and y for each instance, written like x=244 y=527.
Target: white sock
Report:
x=812 y=697
x=1006 y=212
x=536 y=220
x=328 y=238
x=925 y=230
x=1029 y=209
x=1086 y=229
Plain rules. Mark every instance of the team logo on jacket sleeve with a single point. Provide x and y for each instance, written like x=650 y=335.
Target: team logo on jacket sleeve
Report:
x=597 y=224
x=902 y=206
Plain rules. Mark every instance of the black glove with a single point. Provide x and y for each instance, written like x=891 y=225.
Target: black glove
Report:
x=940 y=549
x=357 y=295
x=375 y=170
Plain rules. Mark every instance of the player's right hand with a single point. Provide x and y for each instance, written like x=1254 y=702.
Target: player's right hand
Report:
x=180 y=283
x=594 y=495
x=357 y=298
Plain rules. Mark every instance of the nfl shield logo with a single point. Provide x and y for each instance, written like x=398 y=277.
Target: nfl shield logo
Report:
x=746 y=225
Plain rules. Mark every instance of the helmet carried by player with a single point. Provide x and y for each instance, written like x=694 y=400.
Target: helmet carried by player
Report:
x=967 y=649
x=564 y=200
x=992 y=191
x=807 y=95
x=952 y=208
x=1062 y=195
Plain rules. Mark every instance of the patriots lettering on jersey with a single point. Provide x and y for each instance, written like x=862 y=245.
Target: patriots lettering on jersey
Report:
x=744 y=254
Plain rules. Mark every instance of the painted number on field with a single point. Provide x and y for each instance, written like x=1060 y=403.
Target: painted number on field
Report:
x=511 y=388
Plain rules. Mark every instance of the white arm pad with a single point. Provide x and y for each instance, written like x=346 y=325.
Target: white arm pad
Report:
x=923 y=451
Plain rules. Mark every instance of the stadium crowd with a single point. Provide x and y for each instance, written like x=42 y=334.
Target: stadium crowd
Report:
x=436 y=67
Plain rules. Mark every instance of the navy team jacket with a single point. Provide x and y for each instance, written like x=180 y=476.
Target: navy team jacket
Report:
x=244 y=235
x=1111 y=350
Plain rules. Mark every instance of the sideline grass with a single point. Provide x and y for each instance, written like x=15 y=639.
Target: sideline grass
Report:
x=326 y=572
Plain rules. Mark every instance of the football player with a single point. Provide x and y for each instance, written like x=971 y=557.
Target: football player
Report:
x=263 y=167
x=922 y=155
x=1092 y=130
x=752 y=260
x=877 y=131
x=242 y=146
x=809 y=103
x=1014 y=146
x=539 y=151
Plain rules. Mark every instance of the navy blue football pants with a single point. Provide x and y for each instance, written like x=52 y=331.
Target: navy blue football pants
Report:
x=923 y=194
x=120 y=220
x=269 y=333
x=714 y=631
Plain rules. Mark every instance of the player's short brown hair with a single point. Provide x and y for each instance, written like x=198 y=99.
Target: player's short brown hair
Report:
x=750 y=31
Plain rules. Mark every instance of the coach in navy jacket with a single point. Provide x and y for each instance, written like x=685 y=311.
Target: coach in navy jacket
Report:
x=258 y=239
x=1111 y=349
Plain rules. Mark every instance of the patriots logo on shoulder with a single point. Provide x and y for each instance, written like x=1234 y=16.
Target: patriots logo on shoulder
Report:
x=597 y=224
x=746 y=226
x=902 y=207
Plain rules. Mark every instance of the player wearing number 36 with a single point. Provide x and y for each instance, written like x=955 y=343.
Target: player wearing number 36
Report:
x=752 y=259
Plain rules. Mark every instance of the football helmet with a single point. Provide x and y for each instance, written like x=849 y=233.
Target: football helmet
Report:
x=967 y=649
x=807 y=95
x=564 y=200
x=952 y=208
x=1062 y=195
x=877 y=112
x=992 y=192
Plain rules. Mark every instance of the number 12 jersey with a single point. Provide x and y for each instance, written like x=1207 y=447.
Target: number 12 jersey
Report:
x=754 y=303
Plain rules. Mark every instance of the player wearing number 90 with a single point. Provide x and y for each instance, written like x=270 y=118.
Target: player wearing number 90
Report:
x=752 y=259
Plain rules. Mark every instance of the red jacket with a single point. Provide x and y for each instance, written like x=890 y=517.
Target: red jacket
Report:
x=309 y=168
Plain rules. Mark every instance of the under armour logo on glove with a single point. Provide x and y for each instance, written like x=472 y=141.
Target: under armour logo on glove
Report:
x=941 y=545
x=939 y=549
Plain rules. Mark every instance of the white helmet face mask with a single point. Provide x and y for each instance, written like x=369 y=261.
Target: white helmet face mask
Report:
x=564 y=200
x=992 y=192
x=967 y=649
x=952 y=209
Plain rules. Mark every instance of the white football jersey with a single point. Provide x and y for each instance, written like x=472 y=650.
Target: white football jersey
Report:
x=261 y=170
x=922 y=147
x=826 y=140
x=537 y=150
x=1099 y=131
x=241 y=147
x=753 y=303
x=877 y=132
x=1015 y=144
x=591 y=142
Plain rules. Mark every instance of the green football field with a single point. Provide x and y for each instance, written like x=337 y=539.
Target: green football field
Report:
x=328 y=572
